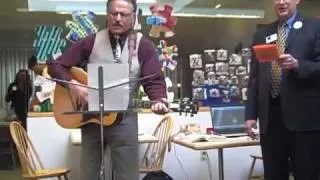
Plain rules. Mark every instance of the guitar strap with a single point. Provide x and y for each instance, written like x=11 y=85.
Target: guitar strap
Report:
x=132 y=45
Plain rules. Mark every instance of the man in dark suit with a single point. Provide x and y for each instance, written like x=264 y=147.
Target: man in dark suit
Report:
x=284 y=95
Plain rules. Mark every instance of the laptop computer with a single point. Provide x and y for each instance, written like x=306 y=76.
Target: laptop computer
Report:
x=228 y=121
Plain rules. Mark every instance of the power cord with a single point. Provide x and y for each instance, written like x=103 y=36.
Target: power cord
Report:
x=184 y=171
x=209 y=166
x=180 y=163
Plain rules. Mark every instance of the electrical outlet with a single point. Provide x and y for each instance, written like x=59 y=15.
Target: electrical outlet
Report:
x=203 y=155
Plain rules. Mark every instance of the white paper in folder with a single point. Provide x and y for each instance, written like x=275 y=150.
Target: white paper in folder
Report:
x=116 y=98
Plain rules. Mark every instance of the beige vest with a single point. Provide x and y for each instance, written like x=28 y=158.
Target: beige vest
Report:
x=102 y=53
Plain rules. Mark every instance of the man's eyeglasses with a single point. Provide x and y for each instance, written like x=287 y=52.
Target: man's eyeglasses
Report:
x=122 y=14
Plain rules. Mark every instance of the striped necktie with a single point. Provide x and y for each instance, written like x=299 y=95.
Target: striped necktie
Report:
x=275 y=68
x=117 y=50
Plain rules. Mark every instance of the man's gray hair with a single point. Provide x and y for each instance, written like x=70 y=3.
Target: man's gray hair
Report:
x=133 y=2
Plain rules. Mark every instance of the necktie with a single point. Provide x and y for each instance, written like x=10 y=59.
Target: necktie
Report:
x=275 y=68
x=117 y=50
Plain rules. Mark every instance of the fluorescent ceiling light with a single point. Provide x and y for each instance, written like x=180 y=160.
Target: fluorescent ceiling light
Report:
x=197 y=15
x=218 y=15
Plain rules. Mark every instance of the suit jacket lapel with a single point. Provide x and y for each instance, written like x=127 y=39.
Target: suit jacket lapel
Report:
x=293 y=33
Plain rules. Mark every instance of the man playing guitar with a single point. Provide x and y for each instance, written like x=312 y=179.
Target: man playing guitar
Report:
x=102 y=48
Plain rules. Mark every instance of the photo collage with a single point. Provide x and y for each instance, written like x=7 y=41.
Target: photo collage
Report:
x=220 y=78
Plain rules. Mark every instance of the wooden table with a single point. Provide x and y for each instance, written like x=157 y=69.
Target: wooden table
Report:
x=220 y=145
x=142 y=138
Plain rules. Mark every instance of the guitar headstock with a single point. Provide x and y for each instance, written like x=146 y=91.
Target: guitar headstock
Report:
x=185 y=105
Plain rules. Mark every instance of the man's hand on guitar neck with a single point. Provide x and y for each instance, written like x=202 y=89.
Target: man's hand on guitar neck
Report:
x=160 y=107
x=81 y=92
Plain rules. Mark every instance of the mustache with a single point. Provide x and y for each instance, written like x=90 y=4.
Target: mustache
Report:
x=117 y=24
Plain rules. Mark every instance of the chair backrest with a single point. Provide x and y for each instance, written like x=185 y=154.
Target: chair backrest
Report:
x=29 y=158
x=155 y=152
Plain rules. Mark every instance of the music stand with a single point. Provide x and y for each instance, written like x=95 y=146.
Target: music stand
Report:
x=101 y=112
x=101 y=106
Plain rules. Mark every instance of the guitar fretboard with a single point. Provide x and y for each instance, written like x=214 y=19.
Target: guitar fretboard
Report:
x=137 y=103
x=175 y=106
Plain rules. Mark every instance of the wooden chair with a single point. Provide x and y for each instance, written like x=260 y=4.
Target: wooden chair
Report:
x=6 y=142
x=251 y=176
x=32 y=167
x=153 y=158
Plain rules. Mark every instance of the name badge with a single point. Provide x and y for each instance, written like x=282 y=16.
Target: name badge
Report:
x=271 y=38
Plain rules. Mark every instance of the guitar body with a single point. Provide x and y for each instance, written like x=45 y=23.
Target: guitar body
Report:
x=64 y=101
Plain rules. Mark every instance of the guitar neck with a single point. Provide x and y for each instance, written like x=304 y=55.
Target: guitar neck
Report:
x=184 y=106
x=137 y=103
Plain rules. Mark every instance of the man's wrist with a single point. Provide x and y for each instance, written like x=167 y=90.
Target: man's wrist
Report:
x=161 y=100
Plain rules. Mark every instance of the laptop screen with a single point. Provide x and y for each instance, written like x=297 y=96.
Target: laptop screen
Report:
x=228 y=120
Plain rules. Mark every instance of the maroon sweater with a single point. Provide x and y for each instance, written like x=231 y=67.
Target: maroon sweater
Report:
x=79 y=53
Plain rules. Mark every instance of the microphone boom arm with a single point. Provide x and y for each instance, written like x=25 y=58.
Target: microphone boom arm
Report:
x=97 y=88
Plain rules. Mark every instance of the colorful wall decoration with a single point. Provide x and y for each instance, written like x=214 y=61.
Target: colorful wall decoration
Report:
x=162 y=22
x=48 y=43
x=81 y=25
x=166 y=55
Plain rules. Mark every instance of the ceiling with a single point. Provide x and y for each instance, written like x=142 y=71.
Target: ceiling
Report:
x=236 y=4
x=15 y=14
x=206 y=8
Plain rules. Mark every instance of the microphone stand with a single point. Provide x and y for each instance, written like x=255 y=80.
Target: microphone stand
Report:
x=101 y=106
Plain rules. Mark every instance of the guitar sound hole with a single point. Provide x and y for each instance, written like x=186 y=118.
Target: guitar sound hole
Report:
x=84 y=107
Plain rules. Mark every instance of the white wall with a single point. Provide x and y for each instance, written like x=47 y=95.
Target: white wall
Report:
x=55 y=149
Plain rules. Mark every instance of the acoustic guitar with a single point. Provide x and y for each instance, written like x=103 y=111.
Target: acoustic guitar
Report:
x=64 y=102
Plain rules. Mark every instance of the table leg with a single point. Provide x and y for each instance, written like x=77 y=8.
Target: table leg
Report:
x=220 y=160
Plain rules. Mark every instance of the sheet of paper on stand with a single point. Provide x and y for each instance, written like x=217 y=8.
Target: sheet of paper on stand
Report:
x=113 y=74
x=115 y=83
